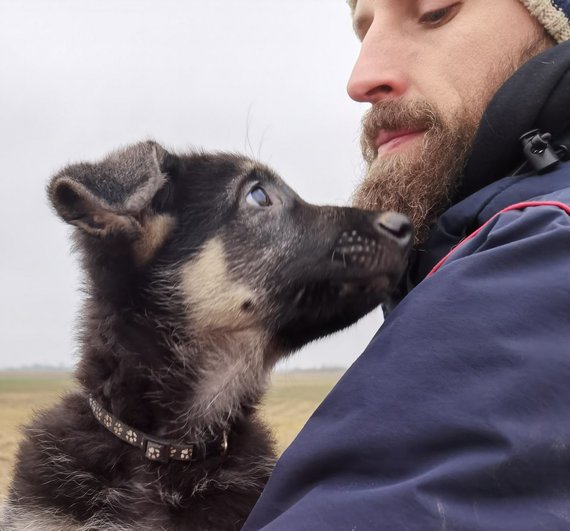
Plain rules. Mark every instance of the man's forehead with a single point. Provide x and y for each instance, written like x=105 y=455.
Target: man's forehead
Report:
x=352 y=4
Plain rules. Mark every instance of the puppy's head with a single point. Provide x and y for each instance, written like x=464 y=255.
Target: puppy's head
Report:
x=218 y=244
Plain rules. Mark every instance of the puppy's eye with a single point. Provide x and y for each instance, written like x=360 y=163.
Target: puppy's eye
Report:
x=258 y=197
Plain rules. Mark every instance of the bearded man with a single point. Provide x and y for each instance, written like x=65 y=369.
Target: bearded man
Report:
x=456 y=417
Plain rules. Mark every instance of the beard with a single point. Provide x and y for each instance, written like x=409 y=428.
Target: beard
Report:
x=421 y=182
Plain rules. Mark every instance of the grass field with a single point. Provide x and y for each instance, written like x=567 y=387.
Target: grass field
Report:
x=291 y=400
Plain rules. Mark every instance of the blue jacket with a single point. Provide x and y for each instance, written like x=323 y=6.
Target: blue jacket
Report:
x=457 y=415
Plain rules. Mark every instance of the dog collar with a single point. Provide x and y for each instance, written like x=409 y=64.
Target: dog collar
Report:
x=157 y=449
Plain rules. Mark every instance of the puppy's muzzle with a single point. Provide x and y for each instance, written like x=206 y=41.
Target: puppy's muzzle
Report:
x=364 y=247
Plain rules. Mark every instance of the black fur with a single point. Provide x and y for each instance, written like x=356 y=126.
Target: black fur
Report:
x=159 y=352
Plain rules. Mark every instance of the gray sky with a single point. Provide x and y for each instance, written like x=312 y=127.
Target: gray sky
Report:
x=80 y=78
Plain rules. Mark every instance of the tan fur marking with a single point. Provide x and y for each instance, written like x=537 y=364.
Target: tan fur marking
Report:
x=214 y=298
x=155 y=230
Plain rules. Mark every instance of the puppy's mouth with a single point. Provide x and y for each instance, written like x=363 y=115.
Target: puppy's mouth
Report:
x=320 y=307
x=318 y=292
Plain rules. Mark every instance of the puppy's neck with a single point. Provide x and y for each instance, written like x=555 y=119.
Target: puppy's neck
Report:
x=166 y=384
x=230 y=376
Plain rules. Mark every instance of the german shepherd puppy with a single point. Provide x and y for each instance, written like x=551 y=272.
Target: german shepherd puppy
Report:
x=202 y=271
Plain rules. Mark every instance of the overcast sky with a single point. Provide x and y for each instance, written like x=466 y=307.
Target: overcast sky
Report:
x=79 y=79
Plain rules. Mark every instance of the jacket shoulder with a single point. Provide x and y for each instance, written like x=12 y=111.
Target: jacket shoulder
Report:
x=546 y=216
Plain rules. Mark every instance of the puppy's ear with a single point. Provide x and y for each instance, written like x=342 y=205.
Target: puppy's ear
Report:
x=108 y=198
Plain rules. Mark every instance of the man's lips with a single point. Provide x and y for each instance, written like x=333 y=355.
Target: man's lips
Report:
x=390 y=139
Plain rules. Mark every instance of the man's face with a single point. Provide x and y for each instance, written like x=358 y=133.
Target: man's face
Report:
x=429 y=69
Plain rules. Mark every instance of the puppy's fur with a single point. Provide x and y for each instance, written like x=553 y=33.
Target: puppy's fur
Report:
x=202 y=270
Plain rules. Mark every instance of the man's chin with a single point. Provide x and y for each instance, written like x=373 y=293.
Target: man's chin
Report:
x=414 y=179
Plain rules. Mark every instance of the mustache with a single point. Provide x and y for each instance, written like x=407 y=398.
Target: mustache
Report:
x=394 y=115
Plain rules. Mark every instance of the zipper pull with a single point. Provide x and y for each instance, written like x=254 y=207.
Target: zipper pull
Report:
x=538 y=151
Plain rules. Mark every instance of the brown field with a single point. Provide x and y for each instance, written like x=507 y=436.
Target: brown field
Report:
x=291 y=400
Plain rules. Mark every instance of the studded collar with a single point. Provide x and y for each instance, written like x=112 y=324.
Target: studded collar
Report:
x=158 y=449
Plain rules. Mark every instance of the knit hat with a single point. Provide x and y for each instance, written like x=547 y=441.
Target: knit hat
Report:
x=554 y=15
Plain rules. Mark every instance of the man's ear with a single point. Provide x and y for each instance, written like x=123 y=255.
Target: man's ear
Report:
x=106 y=199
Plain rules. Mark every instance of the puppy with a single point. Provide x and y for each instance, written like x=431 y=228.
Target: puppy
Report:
x=202 y=270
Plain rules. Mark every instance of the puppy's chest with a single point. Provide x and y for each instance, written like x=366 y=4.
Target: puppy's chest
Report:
x=211 y=500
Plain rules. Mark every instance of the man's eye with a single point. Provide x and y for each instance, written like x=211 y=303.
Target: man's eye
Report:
x=258 y=197
x=438 y=16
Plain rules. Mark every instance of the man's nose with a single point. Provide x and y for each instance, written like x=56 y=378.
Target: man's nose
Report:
x=379 y=72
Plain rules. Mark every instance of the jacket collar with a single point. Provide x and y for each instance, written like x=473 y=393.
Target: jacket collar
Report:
x=537 y=96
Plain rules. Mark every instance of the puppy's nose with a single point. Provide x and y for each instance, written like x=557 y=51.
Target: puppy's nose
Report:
x=397 y=225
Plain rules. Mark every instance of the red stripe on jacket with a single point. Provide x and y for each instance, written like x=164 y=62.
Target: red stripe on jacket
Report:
x=516 y=206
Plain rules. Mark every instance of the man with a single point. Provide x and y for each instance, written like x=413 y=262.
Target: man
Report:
x=457 y=416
